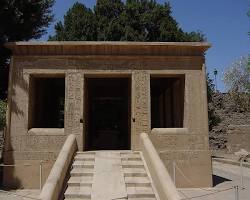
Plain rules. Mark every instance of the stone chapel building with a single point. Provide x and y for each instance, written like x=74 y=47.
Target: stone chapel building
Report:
x=106 y=93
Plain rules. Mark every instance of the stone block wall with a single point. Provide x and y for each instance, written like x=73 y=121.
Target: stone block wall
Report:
x=25 y=148
x=185 y=155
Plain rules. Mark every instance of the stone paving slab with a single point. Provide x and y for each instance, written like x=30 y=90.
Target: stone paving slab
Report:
x=108 y=181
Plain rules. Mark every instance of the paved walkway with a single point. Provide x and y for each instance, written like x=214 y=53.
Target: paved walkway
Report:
x=225 y=177
x=108 y=178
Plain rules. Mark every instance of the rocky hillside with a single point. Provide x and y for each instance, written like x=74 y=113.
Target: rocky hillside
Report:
x=233 y=132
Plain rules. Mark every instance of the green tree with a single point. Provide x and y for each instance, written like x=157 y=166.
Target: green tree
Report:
x=134 y=20
x=20 y=20
x=79 y=24
x=213 y=119
x=114 y=20
x=109 y=15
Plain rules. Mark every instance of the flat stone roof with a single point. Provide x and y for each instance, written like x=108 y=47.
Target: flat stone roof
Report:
x=109 y=48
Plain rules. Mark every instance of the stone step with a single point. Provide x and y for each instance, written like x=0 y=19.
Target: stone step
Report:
x=80 y=181
x=137 y=182
x=123 y=155
x=81 y=158
x=83 y=164
x=134 y=169
x=78 y=192
x=132 y=164
x=131 y=159
x=134 y=172
x=140 y=192
x=142 y=198
x=82 y=172
x=130 y=152
x=85 y=152
x=136 y=155
x=138 y=185
x=86 y=162
x=85 y=157
x=78 y=198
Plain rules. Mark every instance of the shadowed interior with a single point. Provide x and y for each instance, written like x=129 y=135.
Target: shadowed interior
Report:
x=108 y=113
x=167 y=102
x=46 y=102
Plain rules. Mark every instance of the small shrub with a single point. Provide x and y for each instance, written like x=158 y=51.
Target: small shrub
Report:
x=3 y=107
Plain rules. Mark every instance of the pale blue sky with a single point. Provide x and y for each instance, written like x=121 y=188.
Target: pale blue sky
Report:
x=224 y=22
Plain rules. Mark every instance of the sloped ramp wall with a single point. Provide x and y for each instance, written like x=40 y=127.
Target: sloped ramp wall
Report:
x=56 y=179
x=160 y=176
x=187 y=152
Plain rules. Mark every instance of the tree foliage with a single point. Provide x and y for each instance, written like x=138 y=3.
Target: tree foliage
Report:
x=116 y=20
x=213 y=119
x=20 y=20
x=134 y=20
x=79 y=24
x=237 y=80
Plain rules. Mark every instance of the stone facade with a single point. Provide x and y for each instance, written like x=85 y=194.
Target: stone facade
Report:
x=75 y=61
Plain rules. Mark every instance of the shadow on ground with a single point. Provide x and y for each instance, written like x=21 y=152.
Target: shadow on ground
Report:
x=218 y=179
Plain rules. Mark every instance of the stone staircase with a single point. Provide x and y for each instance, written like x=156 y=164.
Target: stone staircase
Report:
x=81 y=176
x=110 y=175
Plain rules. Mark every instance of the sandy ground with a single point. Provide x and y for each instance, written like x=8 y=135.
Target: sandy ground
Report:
x=225 y=176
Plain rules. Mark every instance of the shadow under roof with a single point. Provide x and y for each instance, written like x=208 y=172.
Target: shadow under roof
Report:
x=82 y=48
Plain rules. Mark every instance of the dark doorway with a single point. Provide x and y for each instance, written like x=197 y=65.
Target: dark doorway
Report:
x=107 y=113
x=167 y=102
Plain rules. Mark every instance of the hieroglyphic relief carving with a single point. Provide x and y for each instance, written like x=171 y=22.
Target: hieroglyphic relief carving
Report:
x=182 y=155
x=141 y=94
x=34 y=155
x=178 y=141
x=37 y=142
x=73 y=107
x=112 y=63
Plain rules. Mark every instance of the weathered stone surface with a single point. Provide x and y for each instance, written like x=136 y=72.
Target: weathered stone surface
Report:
x=179 y=141
x=186 y=152
x=11 y=156
x=37 y=143
x=26 y=174
x=186 y=163
x=139 y=64
x=140 y=101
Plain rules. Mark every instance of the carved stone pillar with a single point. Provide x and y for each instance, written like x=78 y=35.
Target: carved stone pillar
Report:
x=140 y=106
x=74 y=106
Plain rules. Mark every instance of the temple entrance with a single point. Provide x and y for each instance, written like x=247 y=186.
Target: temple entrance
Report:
x=107 y=113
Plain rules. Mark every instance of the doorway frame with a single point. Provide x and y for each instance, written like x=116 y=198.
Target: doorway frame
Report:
x=85 y=102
